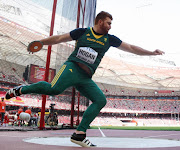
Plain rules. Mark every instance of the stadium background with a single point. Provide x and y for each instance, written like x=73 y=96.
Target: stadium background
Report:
x=144 y=95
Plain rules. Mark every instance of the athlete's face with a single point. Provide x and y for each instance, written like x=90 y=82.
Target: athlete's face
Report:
x=106 y=25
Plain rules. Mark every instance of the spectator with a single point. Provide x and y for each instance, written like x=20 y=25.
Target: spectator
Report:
x=20 y=110
x=29 y=112
x=34 y=118
x=2 y=109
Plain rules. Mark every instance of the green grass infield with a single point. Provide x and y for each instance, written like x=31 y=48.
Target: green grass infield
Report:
x=137 y=128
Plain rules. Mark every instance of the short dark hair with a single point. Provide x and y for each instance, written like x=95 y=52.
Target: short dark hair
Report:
x=102 y=15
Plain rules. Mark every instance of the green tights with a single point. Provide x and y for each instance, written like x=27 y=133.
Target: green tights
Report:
x=69 y=75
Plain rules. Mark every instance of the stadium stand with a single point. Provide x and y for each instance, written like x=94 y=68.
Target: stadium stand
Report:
x=133 y=91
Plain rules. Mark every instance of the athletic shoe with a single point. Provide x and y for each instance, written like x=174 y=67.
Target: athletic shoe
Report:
x=13 y=92
x=81 y=140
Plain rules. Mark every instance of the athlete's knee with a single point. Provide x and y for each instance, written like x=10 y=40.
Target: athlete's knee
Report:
x=47 y=88
x=102 y=102
x=43 y=84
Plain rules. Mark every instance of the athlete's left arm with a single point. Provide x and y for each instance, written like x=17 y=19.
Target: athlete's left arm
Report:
x=138 y=50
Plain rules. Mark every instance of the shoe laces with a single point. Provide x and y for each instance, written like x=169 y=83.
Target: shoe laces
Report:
x=12 y=91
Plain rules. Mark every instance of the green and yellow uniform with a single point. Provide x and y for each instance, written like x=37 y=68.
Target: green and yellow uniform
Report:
x=89 y=50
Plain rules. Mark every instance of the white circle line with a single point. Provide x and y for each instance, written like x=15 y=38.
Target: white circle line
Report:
x=108 y=142
x=161 y=135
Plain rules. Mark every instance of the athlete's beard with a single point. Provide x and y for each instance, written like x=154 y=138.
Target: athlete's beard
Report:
x=104 y=29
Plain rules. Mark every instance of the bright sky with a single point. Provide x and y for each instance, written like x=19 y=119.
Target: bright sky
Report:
x=150 y=24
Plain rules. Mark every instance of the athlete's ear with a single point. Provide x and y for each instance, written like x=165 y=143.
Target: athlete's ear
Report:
x=100 y=21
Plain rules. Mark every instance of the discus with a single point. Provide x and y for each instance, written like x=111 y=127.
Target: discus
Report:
x=35 y=46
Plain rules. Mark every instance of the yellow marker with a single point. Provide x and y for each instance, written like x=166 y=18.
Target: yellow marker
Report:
x=71 y=70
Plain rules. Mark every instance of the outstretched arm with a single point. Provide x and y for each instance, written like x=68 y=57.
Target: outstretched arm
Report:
x=36 y=46
x=138 y=50
x=56 y=39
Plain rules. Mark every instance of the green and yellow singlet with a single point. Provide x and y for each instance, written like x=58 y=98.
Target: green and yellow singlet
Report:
x=90 y=48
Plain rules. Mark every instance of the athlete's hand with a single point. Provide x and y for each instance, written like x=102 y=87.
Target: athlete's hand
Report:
x=158 y=52
x=34 y=46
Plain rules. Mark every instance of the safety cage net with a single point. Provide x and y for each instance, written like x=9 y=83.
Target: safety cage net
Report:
x=23 y=21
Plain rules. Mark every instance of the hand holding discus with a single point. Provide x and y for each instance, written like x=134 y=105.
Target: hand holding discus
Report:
x=34 y=46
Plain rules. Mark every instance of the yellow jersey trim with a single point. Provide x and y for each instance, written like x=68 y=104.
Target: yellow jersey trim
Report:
x=96 y=36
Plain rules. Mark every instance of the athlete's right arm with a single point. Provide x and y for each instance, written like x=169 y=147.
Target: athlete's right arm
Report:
x=73 y=35
x=55 y=39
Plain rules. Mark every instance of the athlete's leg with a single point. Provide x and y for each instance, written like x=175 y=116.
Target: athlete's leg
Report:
x=46 y=88
x=90 y=90
x=63 y=79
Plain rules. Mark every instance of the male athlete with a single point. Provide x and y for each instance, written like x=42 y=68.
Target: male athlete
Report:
x=91 y=45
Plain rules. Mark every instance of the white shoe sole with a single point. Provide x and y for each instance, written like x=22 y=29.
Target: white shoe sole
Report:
x=81 y=143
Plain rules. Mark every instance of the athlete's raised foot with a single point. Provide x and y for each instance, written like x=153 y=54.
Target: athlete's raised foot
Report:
x=13 y=92
x=81 y=140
